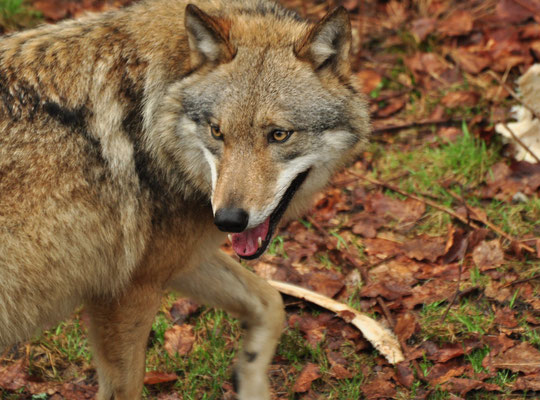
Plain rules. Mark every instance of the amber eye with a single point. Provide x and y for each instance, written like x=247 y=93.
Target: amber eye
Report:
x=215 y=131
x=279 y=136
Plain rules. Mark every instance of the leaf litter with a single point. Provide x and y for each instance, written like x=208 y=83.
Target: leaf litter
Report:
x=428 y=254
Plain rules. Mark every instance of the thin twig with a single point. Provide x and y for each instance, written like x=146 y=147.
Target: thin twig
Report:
x=520 y=142
x=405 y=125
x=417 y=198
x=489 y=224
x=537 y=276
x=514 y=94
x=454 y=297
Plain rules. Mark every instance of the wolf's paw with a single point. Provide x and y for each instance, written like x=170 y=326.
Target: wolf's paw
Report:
x=254 y=387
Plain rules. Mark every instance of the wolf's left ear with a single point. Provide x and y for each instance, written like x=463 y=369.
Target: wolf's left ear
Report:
x=328 y=42
x=208 y=37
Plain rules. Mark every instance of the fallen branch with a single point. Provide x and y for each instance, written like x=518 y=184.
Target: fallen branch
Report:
x=405 y=125
x=514 y=94
x=520 y=142
x=417 y=198
x=483 y=219
x=381 y=338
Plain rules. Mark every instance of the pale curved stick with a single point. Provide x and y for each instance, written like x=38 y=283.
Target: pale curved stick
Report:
x=381 y=338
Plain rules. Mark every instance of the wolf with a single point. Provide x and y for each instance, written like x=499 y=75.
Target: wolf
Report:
x=132 y=142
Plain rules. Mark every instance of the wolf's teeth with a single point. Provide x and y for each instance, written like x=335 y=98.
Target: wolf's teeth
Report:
x=230 y=237
x=260 y=241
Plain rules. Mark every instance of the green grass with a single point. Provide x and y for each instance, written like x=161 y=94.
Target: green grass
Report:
x=18 y=14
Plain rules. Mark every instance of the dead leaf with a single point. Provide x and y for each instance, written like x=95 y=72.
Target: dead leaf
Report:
x=382 y=248
x=155 y=377
x=471 y=61
x=309 y=373
x=179 y=340
x=404 y=374
x=506 y=317
x=528 y=382
x=422 y=27
x=459 y=23
x=378 y=388
x=394 y=105
x=405 y=211
x=442 y=372
x=425 y=248
x=14 y=376
x=369 y=80
x=326 y=283
x=182 y=309
x=488 y=255
x=465 y=385
x=512 y=11
x=521 y=358
x=460 y=98
x=406 y=326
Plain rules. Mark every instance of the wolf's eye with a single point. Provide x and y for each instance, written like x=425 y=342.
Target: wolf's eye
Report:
x=279 y=136
x=216 y=132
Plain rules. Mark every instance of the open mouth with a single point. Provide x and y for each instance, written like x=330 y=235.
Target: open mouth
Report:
x=252 y=243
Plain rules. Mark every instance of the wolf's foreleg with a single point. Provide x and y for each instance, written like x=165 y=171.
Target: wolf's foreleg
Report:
x=119 y=330
x=222 y=282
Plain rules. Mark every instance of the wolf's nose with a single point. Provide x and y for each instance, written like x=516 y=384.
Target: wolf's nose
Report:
x=231 y=219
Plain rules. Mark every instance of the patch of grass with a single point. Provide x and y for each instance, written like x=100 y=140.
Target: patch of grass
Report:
x=276 y=247
x=17 y=14
x=476 y=357
x=465 y=319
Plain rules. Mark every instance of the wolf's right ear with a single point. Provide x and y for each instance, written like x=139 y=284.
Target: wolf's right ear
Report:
x=208 y=37
x=328 y=42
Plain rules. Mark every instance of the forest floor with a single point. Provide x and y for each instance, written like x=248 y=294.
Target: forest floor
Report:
x=434 y=231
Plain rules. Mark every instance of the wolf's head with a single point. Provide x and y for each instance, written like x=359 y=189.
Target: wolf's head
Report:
x=267 y=113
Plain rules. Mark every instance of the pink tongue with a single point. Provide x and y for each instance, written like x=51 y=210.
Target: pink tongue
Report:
x=247 y=243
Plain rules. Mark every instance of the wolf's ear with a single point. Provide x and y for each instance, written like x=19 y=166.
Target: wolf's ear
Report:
x=328 y=42
x=208 y=37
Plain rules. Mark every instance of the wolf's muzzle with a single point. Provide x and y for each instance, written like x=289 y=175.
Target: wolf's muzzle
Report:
x=231 y=219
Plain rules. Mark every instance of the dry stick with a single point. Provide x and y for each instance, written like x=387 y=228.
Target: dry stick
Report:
x=417 y=198
x=381 y=338
x=537 y=276
x=454 y=297
x=514 y=94
x=413 y=124
x=490 y=225
x=520 y=142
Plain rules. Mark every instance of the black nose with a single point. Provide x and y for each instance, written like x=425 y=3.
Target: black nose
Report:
x=231 y=219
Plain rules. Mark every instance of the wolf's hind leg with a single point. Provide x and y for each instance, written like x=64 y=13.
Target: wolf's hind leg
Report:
x=118 y=333
x=222 y=282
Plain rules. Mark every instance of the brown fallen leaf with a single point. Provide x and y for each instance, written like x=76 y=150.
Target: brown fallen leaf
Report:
x=326 y=283
x=521 y=358
x=512 y=11
x=404 y=374
x=182 y=309
x=312 y=327
x=459 y=23
x=461 y=98
x=442 y=372
x=379 y=388
x=369 y=80
x=488 y=255
x=425 y=248
x=394 y=105
x=422 y=27
x=308 y=374
x=528 y=382
x=406 y=211
x=179 y=340
x=470 y=60
x=465 y=385
x=506 y=317
x=406 y=326
x=155 y=377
